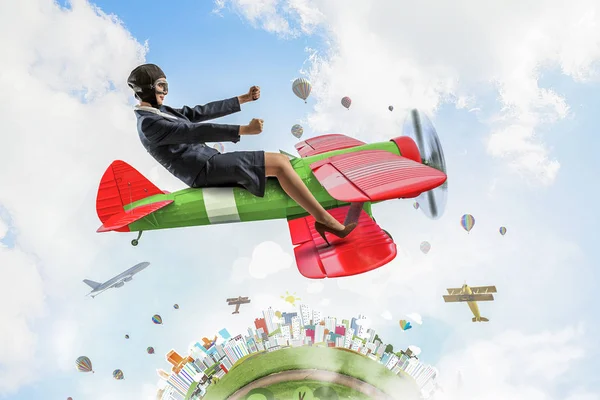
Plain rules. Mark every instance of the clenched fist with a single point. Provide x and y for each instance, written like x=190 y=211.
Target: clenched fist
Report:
x=254 y=93
x=253 y=128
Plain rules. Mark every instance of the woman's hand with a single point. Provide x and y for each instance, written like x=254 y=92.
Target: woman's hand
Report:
x=252 y=95
x=253 y=128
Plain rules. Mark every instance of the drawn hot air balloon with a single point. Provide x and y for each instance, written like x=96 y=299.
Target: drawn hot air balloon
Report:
x=391 y=108
x=126 y=336
x=118 y=374
x=157 y=319
x=405 y=325
x=219 y=147
x=150 y=350
x=84 y=364
x=467 y=221
x=301 y=88
x=425 y=247
x=176 y=306
x=346 y=101
x=502 y=230
x=416 y=205
x=297 y=131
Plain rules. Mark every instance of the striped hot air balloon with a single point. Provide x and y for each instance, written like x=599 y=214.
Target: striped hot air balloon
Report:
x=219 y=147
x=346 y=101
x=118 y=374
x=502 y=230
x=157 y=319
x=176 y=306
x=467 y=221
x=297 y=131
x=405 y=325
x=150 y=350
x=416 y=205
x=301 y=88
x=425 y=247
x=84 y=364
x=126 y=336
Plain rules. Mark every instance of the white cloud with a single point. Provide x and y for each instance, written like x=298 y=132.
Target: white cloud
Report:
x=3 y=228
x=379 y=54
x=415 y=350
x=386 y=315
x=416 y=318
x=21 y=302
x=268 y=258
x=512 y=365
x=315 y=287
x=62 y=88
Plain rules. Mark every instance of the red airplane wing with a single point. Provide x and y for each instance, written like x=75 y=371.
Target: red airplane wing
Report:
x=325 y=143
x=375 y=175
x=368 y=247
x=124 y=218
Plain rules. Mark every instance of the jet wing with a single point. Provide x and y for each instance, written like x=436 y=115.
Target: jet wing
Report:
x=374 y=175
x=368 y=247
x=483 y=289
x=468 y=297
x=324 y=143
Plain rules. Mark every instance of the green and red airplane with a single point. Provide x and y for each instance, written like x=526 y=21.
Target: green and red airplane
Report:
x=344 y=174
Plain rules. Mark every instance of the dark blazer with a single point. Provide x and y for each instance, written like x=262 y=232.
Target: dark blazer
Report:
x=175 y=137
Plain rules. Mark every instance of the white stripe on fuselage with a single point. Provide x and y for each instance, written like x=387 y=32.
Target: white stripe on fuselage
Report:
x=220 y=205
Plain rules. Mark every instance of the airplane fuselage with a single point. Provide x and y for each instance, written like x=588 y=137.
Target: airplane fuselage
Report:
x=118 y=280
x=206 y=206
x=472 y=304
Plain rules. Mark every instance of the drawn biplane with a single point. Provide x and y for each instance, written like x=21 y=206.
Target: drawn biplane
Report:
x=344 y=174
x=471 y=295
x=237 y=302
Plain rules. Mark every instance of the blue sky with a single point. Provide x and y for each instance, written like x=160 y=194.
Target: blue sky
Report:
x=506 y=104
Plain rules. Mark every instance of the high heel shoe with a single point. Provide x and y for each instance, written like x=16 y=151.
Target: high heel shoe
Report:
x=322 y=228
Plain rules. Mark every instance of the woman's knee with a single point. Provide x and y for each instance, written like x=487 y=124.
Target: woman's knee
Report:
x=276 y=163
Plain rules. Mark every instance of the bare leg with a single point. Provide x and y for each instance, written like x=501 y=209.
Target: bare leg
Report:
x=278 y=165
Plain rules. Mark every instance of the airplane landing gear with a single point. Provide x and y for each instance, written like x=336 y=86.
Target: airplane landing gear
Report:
x=135 y=242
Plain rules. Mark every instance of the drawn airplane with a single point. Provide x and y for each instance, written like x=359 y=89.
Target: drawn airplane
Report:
x=344 y=174
x=208 y=343
x=116 y=281
x=471 y=295
x=237 y=302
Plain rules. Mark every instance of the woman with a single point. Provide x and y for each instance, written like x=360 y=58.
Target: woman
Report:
x=176 y=139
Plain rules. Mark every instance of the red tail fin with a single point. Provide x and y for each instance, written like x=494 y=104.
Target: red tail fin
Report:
x=120 y=185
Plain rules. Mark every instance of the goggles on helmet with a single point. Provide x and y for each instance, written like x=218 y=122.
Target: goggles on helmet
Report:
x=161 y=86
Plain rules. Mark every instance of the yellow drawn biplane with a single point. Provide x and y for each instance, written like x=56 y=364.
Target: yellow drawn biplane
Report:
x=471 y=295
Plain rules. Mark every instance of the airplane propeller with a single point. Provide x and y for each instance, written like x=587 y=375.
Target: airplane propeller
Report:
x=418 y=127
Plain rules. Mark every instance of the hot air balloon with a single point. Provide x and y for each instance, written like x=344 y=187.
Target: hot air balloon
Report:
x=467 y=221
x=84 y=364
x=425 y=247
x=346 y=101
x=301 y=88
x=157 y=319
x=219 y=147
x=502 y=230
x=405 y=325
x=176 y=306
x=69 y=398
x=118 y=374
x=150 y=350
x=297 y=131
x=391 y=108
x=416 y=205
